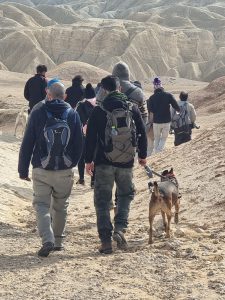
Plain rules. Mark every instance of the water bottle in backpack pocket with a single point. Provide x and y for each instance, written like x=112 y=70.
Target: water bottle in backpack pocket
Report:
x=120 y=136
x=54 y=142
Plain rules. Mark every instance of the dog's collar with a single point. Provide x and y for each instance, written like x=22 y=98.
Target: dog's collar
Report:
x=171 y=178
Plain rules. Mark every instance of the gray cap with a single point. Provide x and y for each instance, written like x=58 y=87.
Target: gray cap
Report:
x=122 y=71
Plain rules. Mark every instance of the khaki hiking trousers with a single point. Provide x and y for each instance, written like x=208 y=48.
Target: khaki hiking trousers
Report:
x=52 y=190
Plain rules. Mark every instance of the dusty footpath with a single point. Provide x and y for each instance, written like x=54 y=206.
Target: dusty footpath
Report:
x=190 y=265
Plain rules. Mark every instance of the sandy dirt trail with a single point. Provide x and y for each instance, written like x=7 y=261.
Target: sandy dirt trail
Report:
x=189 y=266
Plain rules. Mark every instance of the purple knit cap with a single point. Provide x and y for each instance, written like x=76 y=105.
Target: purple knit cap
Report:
x=157 y=83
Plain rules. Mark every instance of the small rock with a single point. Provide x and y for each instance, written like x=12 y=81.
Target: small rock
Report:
x=210 y=273
x=213 y=236
x=86 y=207
x=180 y=233
x=199 y=230
x=189 y=250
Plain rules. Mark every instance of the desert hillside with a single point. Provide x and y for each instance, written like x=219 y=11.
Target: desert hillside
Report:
x=211 y=99
x=182 y=38
x=190 y=265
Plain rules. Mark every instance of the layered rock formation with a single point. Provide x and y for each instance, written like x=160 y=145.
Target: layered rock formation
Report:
x=180 y=38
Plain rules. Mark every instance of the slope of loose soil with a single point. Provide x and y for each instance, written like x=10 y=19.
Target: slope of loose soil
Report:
x=190 y=265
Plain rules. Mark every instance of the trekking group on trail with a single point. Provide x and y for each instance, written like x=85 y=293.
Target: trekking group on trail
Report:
x=107 y=128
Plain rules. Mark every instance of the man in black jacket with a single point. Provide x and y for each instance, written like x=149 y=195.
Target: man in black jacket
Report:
x=76 y=92
x=84 y=109
x=35 y=87
x=159 y=104
x=52 y=184
x=106 y=171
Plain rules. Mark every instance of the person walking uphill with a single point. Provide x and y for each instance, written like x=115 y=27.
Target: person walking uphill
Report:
x=183 y=123
x=53 y=139
x=84 y=109
x=159 y=104
x=75 y=93
x=35 y=87
x=113 y=129
x=133 y=92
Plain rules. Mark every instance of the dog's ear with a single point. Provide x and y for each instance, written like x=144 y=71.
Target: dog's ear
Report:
x=165 y=172
x=171 y=171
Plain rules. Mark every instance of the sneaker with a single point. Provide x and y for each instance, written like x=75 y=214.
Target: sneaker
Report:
x=46 y=249
x=106 y=248
x=118 y=237
x=80 y=181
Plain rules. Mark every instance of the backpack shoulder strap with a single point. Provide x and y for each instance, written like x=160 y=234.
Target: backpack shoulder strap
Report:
x=130 y=91
x=66 y=113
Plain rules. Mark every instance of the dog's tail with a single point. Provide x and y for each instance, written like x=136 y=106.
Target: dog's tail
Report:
x=156 y=189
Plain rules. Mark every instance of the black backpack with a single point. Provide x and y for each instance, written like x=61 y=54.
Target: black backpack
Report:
x=181 y=121
x=55 y=139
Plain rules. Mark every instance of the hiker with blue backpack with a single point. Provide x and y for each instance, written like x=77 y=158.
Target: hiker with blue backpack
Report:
x=116 y=130
x=53 y=140
x=184 y=121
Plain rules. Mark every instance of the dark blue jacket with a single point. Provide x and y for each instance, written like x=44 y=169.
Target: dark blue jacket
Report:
x=29 y=150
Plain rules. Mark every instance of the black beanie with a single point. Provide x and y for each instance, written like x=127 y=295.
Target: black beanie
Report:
x=89 y=91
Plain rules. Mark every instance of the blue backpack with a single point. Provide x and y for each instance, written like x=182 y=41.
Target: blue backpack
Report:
x=53 y=150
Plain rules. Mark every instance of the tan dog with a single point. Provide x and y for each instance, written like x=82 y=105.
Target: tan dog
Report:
x=164 y=196
x=21 y=119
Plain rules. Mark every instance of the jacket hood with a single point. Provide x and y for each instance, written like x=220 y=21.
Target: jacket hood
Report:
x=57 y=107
x=159 y=90
x=115 y=100
x=77 y=83
x=122 y=71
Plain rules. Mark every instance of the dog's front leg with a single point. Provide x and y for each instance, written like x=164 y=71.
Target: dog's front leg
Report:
x=164 y=219
x=169 y=216
x=15 y=128
x=151 y=219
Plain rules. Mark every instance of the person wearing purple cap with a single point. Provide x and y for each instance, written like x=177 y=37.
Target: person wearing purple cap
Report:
x=159 y=105
x=53 y=143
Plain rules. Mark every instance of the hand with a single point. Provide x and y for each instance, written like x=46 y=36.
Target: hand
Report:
x=90 y=168
x=142 y=161
x=25 y=178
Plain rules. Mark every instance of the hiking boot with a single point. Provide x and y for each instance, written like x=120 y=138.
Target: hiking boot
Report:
x=105 y=248
x=80 y=181
x=46 y=249
x=118 y=237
